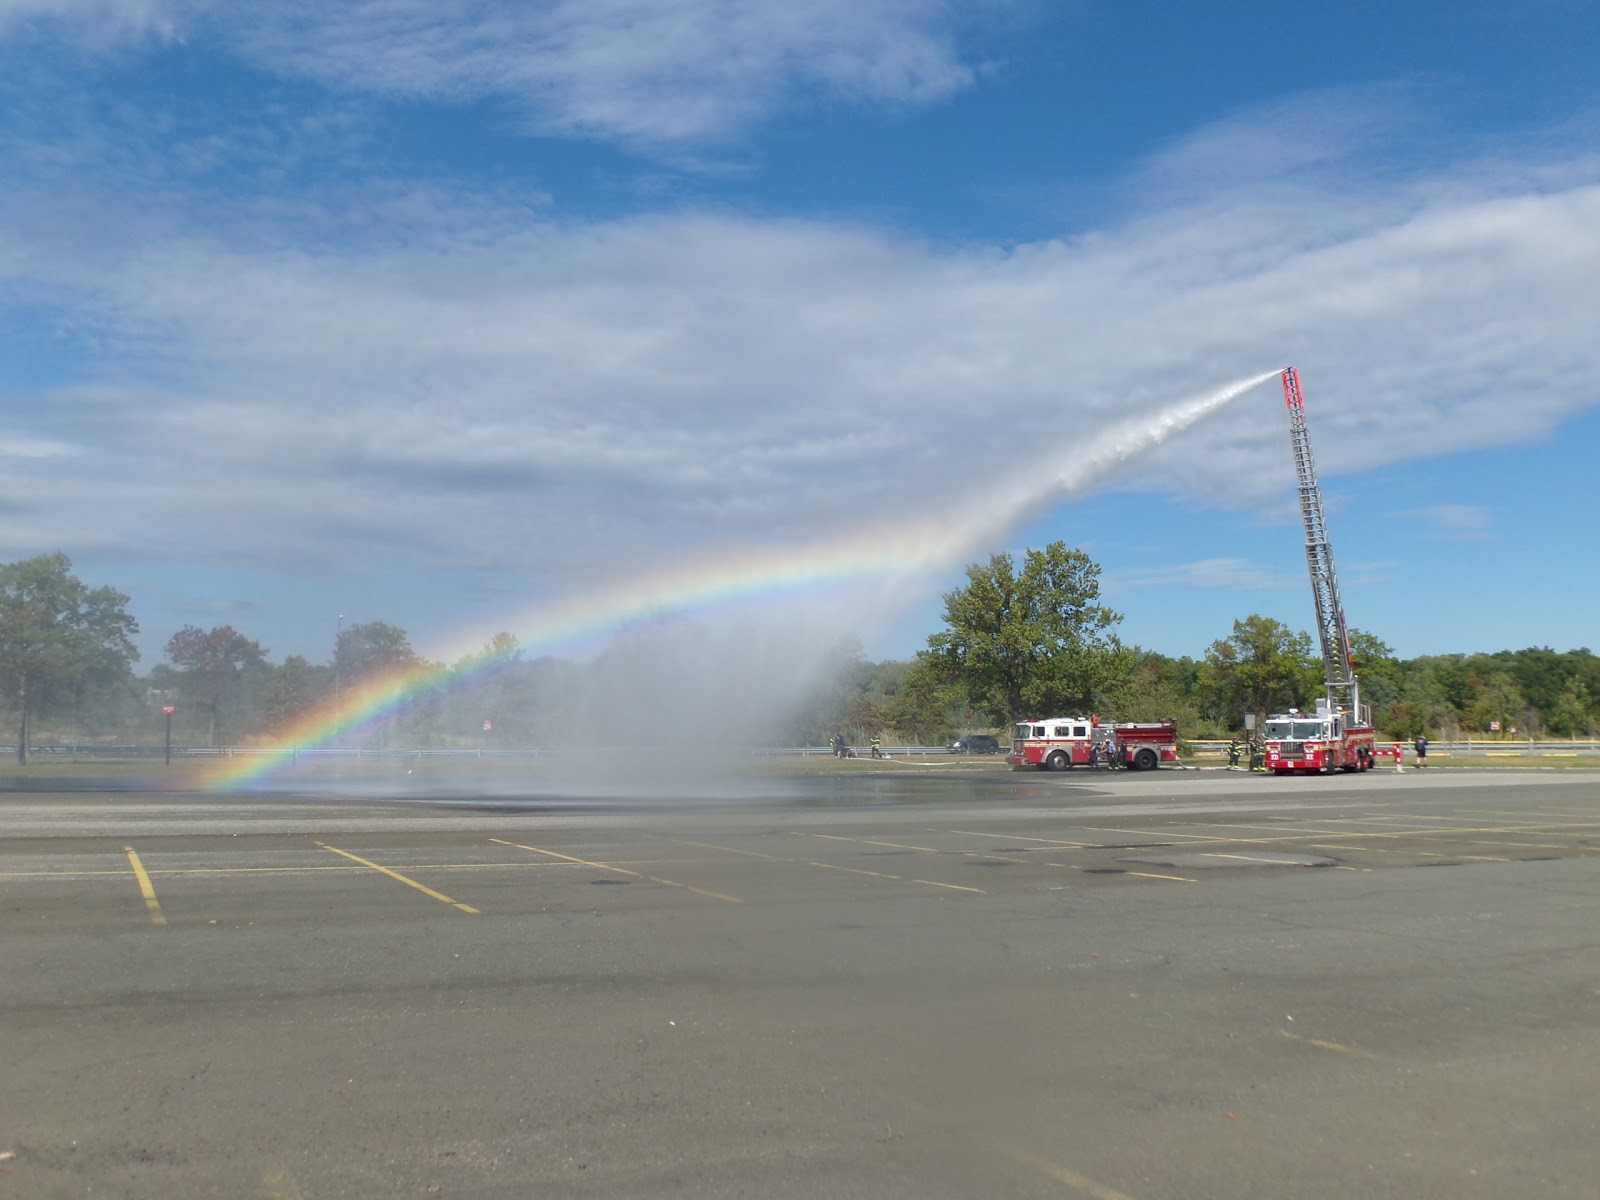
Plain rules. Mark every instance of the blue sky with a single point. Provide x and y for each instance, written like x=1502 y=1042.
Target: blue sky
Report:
x=435 y=313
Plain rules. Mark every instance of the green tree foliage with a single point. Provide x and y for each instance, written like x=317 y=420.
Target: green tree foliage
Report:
x=366 y=650
x=924 y=709
x=1377 y=671
x=221 y=671
x=1262 y=667
x=1497 y=705
x=58 y=635
x=292 y=690
x=1034 y=641
x=492 y=689
x=1157 y=688
x=1572 y=713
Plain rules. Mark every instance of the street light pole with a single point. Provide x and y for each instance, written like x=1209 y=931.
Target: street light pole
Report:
x=338 y=636
x=169 y=710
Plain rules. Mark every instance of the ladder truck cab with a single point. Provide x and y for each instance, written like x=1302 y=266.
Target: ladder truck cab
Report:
x=1321 y=742
x=1339 y=734
x=1059 y=743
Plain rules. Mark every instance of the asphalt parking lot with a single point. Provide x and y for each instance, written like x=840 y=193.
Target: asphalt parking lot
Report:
x=1170 y=986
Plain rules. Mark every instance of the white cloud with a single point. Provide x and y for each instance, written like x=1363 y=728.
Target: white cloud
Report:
x=23 y=446
x=467 y=385
x=640 y=71
x=652 y=74
x=98 y=23
x=1456 y=522
x=1205 y=573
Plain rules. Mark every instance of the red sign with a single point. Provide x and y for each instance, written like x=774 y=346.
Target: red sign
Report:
x=487 y=726
x=169 y=710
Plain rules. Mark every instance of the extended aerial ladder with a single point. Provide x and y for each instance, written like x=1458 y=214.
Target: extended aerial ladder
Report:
x=1343 y=691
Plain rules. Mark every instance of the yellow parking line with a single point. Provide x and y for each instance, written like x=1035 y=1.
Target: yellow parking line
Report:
x=1412 y=853
x=833 y=837
x=621 y=871
x=423 y=888
x=1153 y=875
x=954 y=887
x=735 y=850
x=1276 y=862
x=280 y=1185
x=1336 y=1047
x=152 y=906
x=1051 y=1170
x=854 y=870
x=1060 y=1174
x=1014 y=837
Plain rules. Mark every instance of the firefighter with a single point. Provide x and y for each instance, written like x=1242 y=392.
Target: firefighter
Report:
x=877 y=746
x=1094 y=756
x=1258 y=755
x=1233 y=755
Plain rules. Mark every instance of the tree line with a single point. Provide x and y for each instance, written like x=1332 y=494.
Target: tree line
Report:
x=1019 y=638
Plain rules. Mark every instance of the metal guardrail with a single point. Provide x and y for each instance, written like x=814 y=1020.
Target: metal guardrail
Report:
x=1465 y=748
x=364 y=752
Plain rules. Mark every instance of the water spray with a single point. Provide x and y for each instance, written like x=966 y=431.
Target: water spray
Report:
x=902 y=563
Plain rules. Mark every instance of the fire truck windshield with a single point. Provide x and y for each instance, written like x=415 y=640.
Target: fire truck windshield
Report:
x=1296 y=731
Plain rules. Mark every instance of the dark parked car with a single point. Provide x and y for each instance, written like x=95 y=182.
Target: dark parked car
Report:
x=976 y=743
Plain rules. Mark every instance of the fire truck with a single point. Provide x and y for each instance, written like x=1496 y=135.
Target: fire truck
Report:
x=1339 y=734
x=1058 y=743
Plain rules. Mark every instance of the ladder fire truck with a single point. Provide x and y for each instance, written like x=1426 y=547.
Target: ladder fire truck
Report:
x=1338 y=735
x=1058 y=743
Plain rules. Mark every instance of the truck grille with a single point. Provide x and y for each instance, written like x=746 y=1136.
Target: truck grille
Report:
x=1293 y=751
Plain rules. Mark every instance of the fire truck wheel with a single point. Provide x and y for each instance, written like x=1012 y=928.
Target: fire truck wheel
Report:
x=1058 y=761
x=1145 y=760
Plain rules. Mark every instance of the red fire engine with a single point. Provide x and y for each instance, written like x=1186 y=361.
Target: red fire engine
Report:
x=1322 y=741
x=1057 y=743
x=1339 y=734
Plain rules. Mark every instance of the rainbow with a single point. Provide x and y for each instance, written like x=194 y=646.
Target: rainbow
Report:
x=911 y=552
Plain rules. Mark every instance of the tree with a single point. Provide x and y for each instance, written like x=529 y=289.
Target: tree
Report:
x=291 y=690
x=1497 y=702
x=216 y=668
x=924 y=709
x=1157 y=688
x=365 y=650
x=1033 y=641
x=1377 y=670
x=1569 y=715
x=1264 y=665
x=57 y=633
x=494 y=690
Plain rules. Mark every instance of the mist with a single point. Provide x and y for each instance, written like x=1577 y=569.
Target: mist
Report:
x=680 y=705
